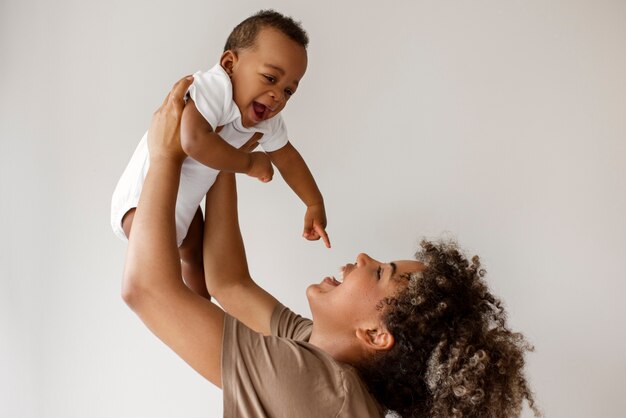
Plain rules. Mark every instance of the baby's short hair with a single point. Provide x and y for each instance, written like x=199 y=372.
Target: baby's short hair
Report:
x=244 y=35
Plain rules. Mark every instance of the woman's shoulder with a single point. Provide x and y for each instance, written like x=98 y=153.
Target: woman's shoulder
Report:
x=359 y=402
x=341 y=377
x=287 y=324
x=257 y=364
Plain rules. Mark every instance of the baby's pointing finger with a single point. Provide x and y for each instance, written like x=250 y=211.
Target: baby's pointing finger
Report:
x=322 y=233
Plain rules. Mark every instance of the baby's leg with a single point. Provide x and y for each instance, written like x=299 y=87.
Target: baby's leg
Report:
x=127 y=221
x=191 y=256
x=190 y=252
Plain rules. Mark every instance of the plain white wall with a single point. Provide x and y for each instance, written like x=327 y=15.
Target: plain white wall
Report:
x=502 y=123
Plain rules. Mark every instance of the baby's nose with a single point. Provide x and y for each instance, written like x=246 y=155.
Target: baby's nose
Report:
x=278 y=96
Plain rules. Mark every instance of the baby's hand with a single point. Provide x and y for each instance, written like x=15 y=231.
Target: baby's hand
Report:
x=315 y=224
x=260 y=167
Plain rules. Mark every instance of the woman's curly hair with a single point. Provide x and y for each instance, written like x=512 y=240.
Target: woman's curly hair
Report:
x=454 y=355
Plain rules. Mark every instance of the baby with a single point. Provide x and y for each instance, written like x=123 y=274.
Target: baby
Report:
x=230 y=109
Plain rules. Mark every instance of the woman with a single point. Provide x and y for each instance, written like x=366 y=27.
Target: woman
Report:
x=421 y=338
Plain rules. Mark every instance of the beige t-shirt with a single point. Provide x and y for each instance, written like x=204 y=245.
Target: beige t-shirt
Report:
x=282 y=375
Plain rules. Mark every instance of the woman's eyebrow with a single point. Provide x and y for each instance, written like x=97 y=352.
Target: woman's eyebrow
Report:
x=394 y=268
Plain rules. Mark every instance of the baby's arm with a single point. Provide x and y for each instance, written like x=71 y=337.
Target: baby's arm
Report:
x=298 y=176
x=203 y=144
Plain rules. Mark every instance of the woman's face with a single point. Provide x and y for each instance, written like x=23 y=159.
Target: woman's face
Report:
x=355 y=302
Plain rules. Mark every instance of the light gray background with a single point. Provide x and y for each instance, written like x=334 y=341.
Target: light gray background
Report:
x=499 y=122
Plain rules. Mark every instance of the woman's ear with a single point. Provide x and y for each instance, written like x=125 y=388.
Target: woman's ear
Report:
x=228 y=61
x=378 y=339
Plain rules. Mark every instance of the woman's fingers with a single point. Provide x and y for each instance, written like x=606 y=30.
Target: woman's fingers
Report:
x=179 y=90
x=164 y=132
x=177 y=94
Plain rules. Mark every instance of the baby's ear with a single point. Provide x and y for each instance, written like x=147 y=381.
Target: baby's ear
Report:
x=228 y=61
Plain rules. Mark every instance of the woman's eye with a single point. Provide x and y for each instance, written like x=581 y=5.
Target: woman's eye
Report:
x=289 y=92
x=270 y=78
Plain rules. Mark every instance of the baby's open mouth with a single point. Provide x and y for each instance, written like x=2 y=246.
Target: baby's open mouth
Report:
x=260 y=110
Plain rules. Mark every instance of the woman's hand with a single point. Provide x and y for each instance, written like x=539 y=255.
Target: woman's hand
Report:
x=164 y=132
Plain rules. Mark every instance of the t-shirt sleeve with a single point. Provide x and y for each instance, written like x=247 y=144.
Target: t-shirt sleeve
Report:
x=287 y=324
x=210 y=94
x=277 y=136
x=271 y=376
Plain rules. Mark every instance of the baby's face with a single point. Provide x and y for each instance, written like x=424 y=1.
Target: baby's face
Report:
x=265 y=76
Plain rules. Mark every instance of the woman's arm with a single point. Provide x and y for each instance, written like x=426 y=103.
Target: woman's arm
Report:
x=225 y=264
x=152 y=284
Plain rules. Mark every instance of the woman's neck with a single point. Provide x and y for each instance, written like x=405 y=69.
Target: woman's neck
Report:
x=345 y=348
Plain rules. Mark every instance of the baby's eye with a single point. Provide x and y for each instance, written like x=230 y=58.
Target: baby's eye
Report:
x=289 y=92
x=269 y=78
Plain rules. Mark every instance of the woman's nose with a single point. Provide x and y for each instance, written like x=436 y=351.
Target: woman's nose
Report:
x=363 y=259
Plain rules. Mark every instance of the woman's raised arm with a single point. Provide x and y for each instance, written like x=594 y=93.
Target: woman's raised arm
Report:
x=225 y=264
x=152 y=285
